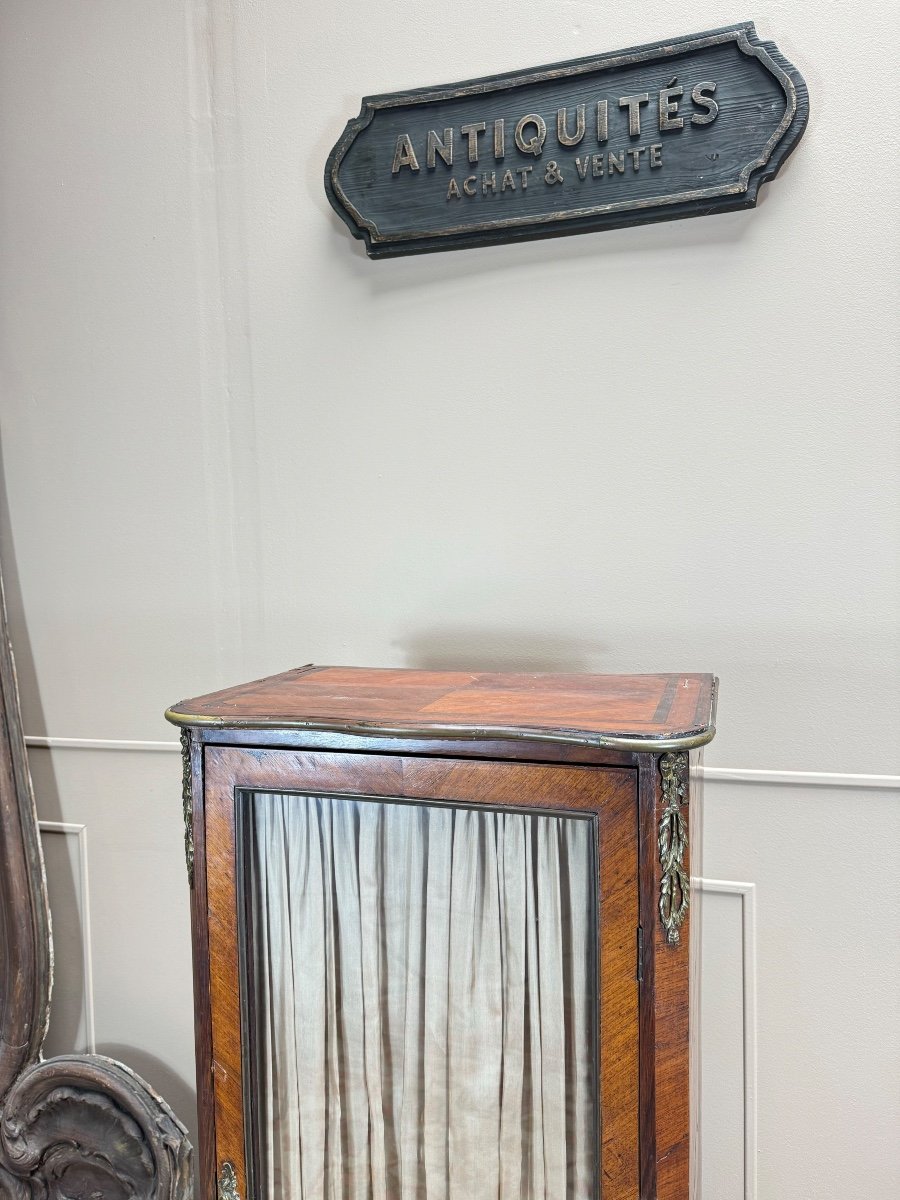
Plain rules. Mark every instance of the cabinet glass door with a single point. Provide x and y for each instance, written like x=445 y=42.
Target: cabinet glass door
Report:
x=423 y=976
x=423 y=983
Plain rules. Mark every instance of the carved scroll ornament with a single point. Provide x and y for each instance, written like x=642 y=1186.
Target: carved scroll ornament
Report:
x=75 y=1127
x=675 y=888
x=228 y=1185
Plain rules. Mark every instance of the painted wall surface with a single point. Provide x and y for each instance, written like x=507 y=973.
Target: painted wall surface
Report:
x=232 y=445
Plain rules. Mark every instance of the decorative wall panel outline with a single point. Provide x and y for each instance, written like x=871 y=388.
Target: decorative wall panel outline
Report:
x=73 y=829
x=747 y=894
x=73 y=1124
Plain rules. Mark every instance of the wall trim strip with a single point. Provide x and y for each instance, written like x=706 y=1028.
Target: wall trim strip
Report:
x=747 y=893
x=73 y=829
x=67 y=743
x=834 y=779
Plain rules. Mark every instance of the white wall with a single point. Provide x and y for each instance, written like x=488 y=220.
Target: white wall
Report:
x=230 y=446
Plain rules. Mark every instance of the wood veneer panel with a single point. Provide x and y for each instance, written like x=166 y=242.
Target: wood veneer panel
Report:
x=594 y=706
x=519 y=750
x=224 y=980
x=206 y=1148
x=608 y=793
x=619 y=1035
x=665 y=1016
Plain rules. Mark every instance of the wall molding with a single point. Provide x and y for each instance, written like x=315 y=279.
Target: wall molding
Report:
x=834 y=779
x=72 y=829
x=67 y=743
x=747 y=893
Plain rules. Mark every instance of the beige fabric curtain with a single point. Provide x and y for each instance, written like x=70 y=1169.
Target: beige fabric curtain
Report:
x=425 y=990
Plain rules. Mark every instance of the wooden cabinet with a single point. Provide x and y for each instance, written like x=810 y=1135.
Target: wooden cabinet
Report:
x=441 y=933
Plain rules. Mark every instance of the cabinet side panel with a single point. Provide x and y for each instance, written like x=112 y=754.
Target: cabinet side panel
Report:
x=695 y=813
x=224 y=976
x=672 y=1026
x=619 y=1037
x=647 y=1057
x=206 y=1149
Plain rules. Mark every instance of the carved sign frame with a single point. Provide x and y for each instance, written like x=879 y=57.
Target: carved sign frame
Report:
x=397 y=182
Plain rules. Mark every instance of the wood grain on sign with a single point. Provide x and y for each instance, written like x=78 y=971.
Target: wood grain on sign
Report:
x=685 y=127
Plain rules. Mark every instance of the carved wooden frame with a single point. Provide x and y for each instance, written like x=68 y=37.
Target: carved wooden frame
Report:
x=76 y=1125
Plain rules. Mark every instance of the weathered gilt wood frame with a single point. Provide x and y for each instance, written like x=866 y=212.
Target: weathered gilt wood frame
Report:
x=75 y=1125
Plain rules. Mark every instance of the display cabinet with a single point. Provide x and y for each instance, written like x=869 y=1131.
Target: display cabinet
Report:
x=441 y=930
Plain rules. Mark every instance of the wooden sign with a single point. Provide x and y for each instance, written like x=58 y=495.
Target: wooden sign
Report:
x=681 y=128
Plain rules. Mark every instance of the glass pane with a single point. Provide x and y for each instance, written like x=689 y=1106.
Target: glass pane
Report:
x=422 y=985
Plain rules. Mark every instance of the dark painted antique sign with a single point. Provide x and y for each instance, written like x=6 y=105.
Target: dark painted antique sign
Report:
x=676 y=129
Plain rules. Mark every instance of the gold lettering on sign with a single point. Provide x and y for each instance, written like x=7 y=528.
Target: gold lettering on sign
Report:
x=499 y=138
x=668 y=107
x=404 y=155
x=443 y=148
x=562 y=126
x=633 y=104
x=534 y=145
x=553 y=174
x=531 y=133
x=699 y=96
x=471 y=132
x=604 y=164
x=612 y=162
x=602 y=121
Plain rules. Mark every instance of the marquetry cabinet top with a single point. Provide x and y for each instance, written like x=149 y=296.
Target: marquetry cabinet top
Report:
x=634 y=712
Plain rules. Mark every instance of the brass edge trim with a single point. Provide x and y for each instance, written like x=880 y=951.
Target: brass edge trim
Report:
x=686 y=741
x=672 y=841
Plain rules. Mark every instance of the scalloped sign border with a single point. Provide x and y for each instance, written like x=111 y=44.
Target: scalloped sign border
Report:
x=682 y=128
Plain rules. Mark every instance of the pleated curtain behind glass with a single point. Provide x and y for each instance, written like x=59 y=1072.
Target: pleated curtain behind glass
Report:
x=424 y=1001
